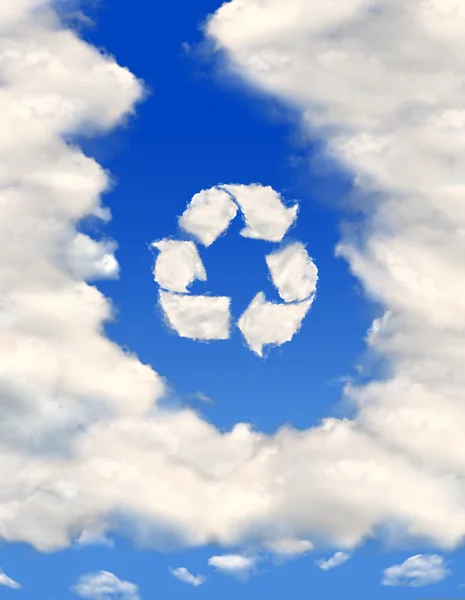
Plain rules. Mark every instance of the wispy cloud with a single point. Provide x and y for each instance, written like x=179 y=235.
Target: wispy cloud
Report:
x=185 y=576
x=8 y=582
x=336 y=560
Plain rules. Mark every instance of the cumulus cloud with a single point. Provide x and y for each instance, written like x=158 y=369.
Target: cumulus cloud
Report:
x=336 y=560
x=416 y=571
x=266 y=323
x=83 y=440
x=197 y=317
x=185 y=576
x=208 y=215
x=177 y=265
x=235 y=565
x=8 y=582
x=105 y=586
x=266 y=216
x=293 y=272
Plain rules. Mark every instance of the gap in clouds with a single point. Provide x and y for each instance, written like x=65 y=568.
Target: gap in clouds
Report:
x=191 y=134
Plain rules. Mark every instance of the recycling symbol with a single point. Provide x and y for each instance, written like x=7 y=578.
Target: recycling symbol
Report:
x=291 y=269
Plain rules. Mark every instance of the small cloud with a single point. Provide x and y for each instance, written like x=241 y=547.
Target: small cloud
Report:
x=185 y=576
x=103 y=585
x=8 y=582
x=335 y=561
x=235 y=565
x=416 y=571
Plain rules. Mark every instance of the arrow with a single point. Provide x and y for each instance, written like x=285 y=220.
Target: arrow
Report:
x=266 y=217
x=265 y=323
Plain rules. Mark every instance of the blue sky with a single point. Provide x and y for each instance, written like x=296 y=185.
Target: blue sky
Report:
x=200 y=126
x=198 y=131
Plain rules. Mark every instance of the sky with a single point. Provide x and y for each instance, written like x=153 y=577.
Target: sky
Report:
x=138 y=462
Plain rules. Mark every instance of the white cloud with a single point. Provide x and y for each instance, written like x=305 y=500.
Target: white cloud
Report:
x=105 y=586
x=266 y=216
x=235 y=565
x=293 y=272
x=197 y=317
x=336 y=560
x=266 y=323
x=185 y=576
x=416 y=571
x=208 y=215
x=291 y=547
x=8 y=582
x=177 y=265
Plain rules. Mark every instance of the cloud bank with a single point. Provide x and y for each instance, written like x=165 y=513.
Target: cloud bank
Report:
x=84 y=446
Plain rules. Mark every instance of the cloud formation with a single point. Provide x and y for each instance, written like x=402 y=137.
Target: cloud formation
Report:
x=292 y=271
x=185 y=576
x=105 y=586
x=84 y=443
x=416 y=571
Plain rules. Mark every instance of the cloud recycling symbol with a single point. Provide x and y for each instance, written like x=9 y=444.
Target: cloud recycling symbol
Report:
x=292 y=271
